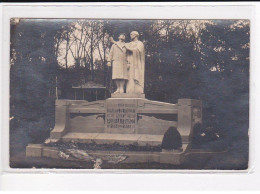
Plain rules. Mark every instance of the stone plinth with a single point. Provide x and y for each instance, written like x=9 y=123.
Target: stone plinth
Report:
x=124 y=120
x=189 y=113
x=113 y=138
x=121 y=116
x=126 y=95
x=175 y=158
x=125 y=117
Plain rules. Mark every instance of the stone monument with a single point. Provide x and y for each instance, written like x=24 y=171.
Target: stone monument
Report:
x=125 y=118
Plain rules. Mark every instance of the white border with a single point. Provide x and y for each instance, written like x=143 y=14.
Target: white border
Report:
x=125 y=11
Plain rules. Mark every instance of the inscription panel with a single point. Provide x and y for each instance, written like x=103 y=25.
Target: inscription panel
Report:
x=121 y=116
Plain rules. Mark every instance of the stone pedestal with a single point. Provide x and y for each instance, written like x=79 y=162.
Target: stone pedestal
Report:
x=189 y=113
x=141 y=121
x=61 y=119
x=121 y=116
x=126 y=95
x=123 y=121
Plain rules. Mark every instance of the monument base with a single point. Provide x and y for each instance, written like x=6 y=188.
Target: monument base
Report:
x=113 y=138
x=125 y=120
x=126 y=95
x=174 y=158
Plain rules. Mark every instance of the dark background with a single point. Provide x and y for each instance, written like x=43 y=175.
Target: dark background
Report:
x=209 y=62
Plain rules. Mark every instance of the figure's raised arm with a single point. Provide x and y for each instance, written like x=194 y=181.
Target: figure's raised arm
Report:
x=139 y=47
x=128 y=47
x=112 y=40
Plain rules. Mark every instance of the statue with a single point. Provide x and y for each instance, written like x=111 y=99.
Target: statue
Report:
x=136 y=61
x=135 y=58
x=117 y=57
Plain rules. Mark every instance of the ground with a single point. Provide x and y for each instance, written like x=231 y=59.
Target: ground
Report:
x=225 y=160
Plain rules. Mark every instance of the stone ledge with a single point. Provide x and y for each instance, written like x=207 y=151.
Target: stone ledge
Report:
x=34 y=150
x=127 y=95
x=132 y=156
x=111 y=138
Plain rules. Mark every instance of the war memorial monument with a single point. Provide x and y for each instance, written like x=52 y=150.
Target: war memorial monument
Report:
x=125 y=119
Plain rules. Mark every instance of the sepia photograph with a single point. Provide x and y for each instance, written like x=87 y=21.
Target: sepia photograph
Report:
x=129 y=94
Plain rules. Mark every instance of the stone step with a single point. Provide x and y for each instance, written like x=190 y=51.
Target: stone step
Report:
x=167 y=157
x=111 y=138
x=127 y=95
